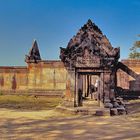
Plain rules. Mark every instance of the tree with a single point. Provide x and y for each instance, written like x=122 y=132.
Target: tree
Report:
x=135 y=50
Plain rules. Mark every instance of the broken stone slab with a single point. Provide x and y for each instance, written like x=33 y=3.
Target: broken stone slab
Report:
x=82 y=111
x=108 y=105
x=107 y=100
x=121 y=110
x=113 y=111
x=102 y=112
x=115 y=105
x=119 y=99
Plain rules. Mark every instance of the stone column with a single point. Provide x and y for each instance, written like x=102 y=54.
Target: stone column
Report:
x=88 y=82
x=80 y=89
x=113 y=84
x=101 y=88
x=107 y=83
x=70 y=93
x=84 y=86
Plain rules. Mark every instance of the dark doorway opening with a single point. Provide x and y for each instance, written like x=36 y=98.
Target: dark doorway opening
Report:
x=88 y=86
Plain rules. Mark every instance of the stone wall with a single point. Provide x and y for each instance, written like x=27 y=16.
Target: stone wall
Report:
x=129 y=81
x=46 y=76
x=13 y=78
x=42 y=77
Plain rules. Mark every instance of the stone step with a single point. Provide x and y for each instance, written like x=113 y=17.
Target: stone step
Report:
x=90 y=103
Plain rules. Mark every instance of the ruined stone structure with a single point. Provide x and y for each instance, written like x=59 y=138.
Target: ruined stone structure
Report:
x=89 y=53
x=128 y=76
x=89 y=58
x=34 y=54
x=39 y=77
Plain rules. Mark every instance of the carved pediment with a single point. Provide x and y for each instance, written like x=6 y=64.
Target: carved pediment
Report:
x=88 y=60
x=89 y=37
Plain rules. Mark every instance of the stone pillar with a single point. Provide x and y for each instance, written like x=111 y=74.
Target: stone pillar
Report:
x=79 y=89
x=113 y=84
x=88 y=82
x=84 y=85
x=70 y=95
x=107 y=86
x=101 y=88
x=110 y=83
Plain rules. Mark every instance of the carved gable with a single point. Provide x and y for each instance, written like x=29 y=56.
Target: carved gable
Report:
x=87 y=60
x=89 y=48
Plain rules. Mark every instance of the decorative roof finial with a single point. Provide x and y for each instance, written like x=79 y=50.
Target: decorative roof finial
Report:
x=89 y=22
x=34 y=54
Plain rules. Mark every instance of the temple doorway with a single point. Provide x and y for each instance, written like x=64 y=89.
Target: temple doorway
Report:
x=88 y=86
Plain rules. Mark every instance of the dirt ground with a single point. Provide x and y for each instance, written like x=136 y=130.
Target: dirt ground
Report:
x=51 y=125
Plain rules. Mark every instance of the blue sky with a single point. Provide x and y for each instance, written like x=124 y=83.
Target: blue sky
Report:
x=53 y=22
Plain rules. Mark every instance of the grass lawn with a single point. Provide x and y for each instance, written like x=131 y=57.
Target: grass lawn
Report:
x=23 y=102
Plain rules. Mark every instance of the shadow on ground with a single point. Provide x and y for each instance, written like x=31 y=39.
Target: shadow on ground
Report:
x=40 y=127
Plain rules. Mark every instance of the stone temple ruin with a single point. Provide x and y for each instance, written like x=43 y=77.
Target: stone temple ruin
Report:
x=90 y=57
x=88 y=75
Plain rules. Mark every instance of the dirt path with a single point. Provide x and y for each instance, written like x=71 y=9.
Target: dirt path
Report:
x=39 y=125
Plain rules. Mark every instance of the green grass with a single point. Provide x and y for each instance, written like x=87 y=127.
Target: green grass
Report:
x=28 y=102
x=134 y=101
